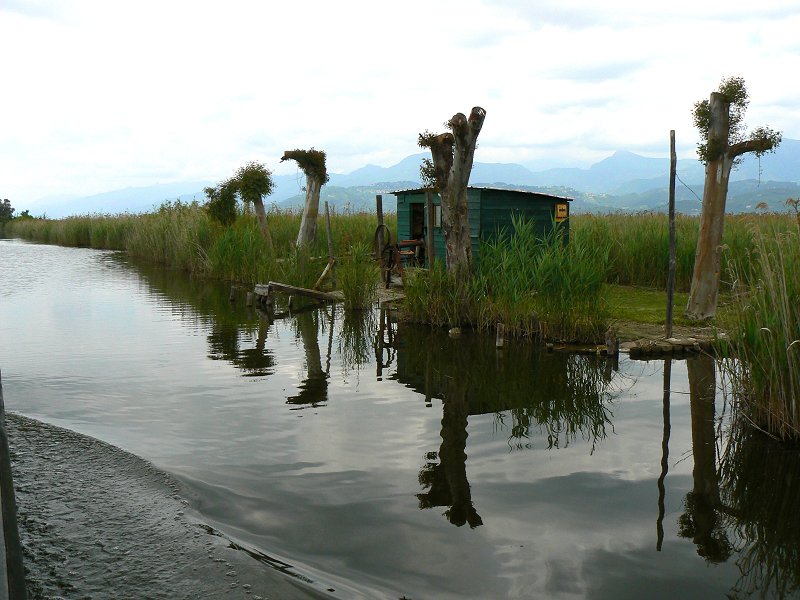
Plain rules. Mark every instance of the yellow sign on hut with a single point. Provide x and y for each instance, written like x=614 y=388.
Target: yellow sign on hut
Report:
x=562 y=212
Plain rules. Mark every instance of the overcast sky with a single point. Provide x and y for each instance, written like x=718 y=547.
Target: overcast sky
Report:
x=99 y=95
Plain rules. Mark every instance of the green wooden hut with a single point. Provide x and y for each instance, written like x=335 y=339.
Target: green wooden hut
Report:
x=490 y=211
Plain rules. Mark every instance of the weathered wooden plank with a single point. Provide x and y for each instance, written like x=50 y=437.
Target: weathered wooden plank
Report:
x=274 y=286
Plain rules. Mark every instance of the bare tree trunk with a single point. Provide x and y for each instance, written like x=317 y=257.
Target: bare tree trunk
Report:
x=261 y=215
x=452 y=155
x=455 y=226
x=705 y=278
x=308 y=224
x=706 y=275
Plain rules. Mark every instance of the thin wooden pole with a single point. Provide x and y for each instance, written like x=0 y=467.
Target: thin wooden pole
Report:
x=379 y=208
x=430 y=254
x=331 y=259
x=673 y=167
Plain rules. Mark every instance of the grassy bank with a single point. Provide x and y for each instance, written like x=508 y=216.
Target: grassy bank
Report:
x=183 y=236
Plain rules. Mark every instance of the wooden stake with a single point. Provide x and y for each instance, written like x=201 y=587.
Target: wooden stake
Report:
x=430 y=253
x=379 y=207
x=612 y=343
x=673 y=167
x=328 y=268
x=232 y=296
x=331 y=259
x=498 y=341
x=249 y=298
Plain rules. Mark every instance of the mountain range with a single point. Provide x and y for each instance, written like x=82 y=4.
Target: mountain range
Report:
x=624 y=181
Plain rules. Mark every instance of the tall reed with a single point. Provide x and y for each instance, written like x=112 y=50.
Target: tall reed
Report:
x=538 y=287
x=765 y=333
x=639 y=244
x=358 y=277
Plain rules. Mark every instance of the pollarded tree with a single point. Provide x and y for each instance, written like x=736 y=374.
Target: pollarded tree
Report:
x=720 y=121
x=448 y=172
x=312 y=163
x=254 y=182
x=221 y=203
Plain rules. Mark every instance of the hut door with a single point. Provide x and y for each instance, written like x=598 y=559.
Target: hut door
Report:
x=417 y=221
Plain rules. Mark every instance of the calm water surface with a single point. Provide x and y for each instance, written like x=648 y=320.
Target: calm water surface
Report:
x=384 y=460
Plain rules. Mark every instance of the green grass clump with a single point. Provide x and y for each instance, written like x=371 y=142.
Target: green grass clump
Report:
x=537 y=287
x=358 y=277
x=436 y=297
x=765 y=333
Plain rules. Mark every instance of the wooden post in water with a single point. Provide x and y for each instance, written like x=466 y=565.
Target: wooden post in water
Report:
x=331 y=259
x=612 y=342
x=232 y=295
x=430 y=255
x=498 y=341
x=249 y=298
x=673 y=167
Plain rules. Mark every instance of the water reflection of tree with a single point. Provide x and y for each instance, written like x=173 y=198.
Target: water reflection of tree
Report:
x=313 y=389
x=760 y=486
x=233 y=326
x=747 y=501
x=702 y=520
x=565 y=396
x=446 y=481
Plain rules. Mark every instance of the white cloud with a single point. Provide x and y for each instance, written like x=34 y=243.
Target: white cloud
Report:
x=98 y=95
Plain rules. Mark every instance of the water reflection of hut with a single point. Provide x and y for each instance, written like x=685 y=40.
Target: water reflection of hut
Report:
x=565 y=395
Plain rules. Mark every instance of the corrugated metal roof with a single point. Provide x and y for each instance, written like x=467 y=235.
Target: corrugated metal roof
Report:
x=486 y=187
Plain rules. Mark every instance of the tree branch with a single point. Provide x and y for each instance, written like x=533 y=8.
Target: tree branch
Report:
x=756 y=145
x=442 y=153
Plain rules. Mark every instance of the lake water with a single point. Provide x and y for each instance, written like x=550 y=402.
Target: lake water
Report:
x=384 y=460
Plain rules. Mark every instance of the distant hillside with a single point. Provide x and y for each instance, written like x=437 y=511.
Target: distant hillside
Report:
x=623 y=181
x=132 y=200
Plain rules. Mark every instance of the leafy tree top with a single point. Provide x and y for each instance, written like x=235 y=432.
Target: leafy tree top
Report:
x=6 y=210
x=311 y=162
x=253 y=181
x=761 y=140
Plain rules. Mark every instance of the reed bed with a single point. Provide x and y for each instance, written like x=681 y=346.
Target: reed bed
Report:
x=639 y=244
x=765 y=333
x=538 y=287
x=183 y=236
x=761 y=515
